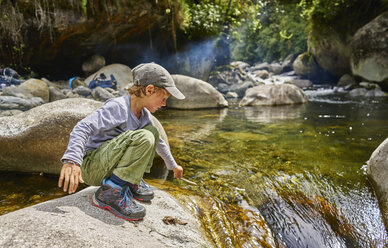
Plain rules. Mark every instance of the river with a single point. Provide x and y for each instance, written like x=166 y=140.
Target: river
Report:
x=292 y=176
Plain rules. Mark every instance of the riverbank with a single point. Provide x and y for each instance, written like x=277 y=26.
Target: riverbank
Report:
x=72 y=221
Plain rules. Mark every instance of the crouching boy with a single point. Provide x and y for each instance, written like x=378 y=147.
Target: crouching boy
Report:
x=115 y=145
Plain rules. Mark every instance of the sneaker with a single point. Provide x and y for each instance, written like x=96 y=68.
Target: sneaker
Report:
x=142 y=192
x=119 y=201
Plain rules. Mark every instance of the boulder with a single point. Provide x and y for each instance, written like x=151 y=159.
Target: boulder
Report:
x=287 y=62
x=199 y=94
x=122 y=74
x=273 y=94
x=56 y=94
x=305 y=65
x=276 y=68
x=37 y=88
x=101 y=94
x=73 y=221
x=331 y=52
x=346 y=80
x=377 y=171
x=263 y=74
x=17 y=103
x=34 y=141
x=17 y=92
x=369 y=51
x=82 y=91
x=242 y=65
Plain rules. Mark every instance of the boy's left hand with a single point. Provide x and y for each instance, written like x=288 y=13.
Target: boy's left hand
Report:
x=70 y=177
x=178 y=172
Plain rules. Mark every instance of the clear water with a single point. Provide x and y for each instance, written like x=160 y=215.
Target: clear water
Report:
x=292 y=176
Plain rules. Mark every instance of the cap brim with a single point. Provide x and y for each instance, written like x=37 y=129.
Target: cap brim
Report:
x=175 y=93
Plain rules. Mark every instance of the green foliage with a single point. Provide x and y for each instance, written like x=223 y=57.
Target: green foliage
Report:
x=342 y=16
x=282 y=31
x=84 y=6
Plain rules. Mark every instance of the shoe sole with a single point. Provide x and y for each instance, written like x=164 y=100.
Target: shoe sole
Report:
x=146 y=199
x=102 y=205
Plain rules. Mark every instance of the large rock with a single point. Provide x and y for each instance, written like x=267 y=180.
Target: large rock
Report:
x=72 y=221
x=34 y=141
x=18 y=103
x=122 y=74
x=93 y=64
x=377 y=171
x=37 y=88
x=369 y=57
x=305 y=65
x=199 y=94
x=273 y=94
x=331 y=52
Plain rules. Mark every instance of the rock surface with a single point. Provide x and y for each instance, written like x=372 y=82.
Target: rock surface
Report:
x=37 y=88
x=35 y=140
x=122 y=74
x=276 y=94
x=72 y=221
x=198 y=93
x=369 y=57
x=377 y=171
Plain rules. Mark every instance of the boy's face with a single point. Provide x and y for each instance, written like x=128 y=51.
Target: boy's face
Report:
x=156 y=100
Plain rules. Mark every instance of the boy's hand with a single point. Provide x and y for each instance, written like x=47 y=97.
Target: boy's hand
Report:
x=178 y=172
x=70 y=173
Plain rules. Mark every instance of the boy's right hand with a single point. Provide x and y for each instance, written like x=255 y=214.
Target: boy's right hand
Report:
x=70 y=174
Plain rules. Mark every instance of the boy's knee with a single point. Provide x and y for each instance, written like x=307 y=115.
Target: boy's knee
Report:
x=153 y=130
x=147 y=137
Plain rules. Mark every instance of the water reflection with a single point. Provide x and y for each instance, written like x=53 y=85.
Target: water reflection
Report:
x=268 y=114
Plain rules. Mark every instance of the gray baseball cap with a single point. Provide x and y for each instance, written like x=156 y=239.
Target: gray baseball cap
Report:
x=151 y=73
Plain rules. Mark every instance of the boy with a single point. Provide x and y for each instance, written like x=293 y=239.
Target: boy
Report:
x=116 y=144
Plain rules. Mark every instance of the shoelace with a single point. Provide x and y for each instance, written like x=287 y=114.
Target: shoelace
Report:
x=127 y=198
x=144 y=184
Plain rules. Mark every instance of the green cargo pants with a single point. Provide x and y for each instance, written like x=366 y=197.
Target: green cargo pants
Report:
x=128 y=156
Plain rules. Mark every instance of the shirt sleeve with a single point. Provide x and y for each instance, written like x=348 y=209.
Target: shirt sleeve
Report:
x=110 y=115
x=163 y=149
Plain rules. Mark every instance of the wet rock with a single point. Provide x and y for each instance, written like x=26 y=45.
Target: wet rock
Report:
x=35 y=140
x=358 y=92
x=82 y=91
x=261 y=66
x=377 y=171
x=198 y=93
x=301 y=83
x=231 y=95
x=277 y=94
x=369 y=51
x=12 y=102
x=346 y=80
x=101 y=94
x=305 y=65
x=56 y=94
x=93 y=64
x=377 y=92
x=369 y=86
x=122 y=74
x=37 y=88
x=72 y=221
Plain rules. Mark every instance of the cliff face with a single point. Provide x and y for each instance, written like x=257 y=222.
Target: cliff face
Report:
x=55 y=36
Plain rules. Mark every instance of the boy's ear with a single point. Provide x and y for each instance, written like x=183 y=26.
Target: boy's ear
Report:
x=150 y=89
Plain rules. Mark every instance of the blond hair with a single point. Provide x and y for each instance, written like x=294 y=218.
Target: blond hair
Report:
x=140 y=90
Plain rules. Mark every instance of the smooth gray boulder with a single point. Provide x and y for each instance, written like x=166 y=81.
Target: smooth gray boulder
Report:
x=273 y=94
x=305 y=65
x=122 y=74
x=369 y=56
x=73 y=221
x=18 y=103
x=377 y=171
x=198 y=93
x=35 y=140
x=37 y=88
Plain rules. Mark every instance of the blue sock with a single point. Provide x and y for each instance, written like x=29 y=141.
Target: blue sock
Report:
x=116 y=181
